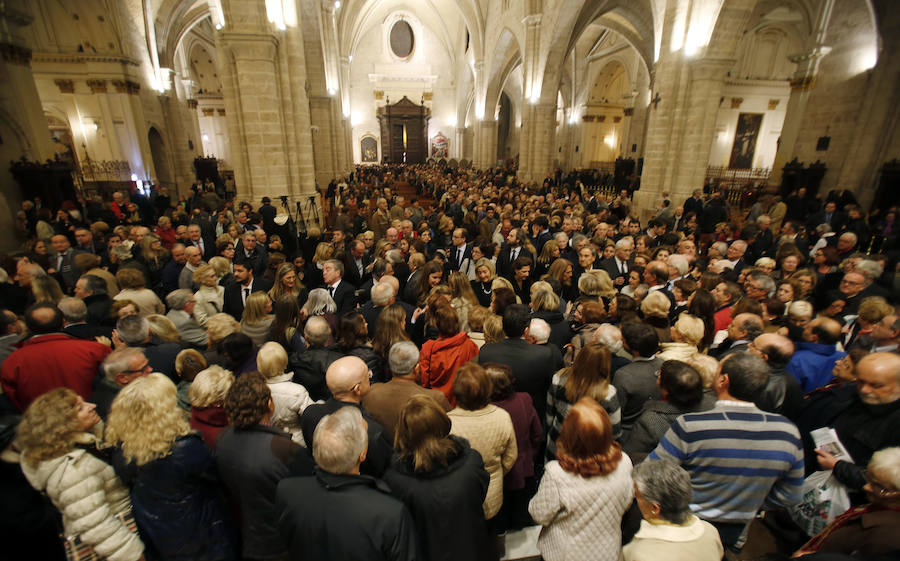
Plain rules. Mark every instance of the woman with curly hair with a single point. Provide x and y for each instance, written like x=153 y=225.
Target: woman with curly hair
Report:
x=562 y=270
x=287 y=282
x=61 y=457
x=549 y=254
x=584 y=493
x=175 y=492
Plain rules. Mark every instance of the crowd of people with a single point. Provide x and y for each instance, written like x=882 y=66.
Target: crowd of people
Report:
x=449 y=356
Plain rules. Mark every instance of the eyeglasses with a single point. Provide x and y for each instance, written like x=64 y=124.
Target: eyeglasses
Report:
x=136 y=370
x=879 y=489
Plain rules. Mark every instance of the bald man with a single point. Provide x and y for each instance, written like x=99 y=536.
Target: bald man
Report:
x=782 y=393
x=816 y=355
x=348 y=380
x=865 y=416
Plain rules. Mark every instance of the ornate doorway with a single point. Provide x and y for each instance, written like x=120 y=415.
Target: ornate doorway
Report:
x=404 y=131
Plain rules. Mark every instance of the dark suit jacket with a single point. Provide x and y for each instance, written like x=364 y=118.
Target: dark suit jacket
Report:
x=209 y=248
x=532 y=365
x=345 y=297
x=504 y=265
x=86 y=331
x=371 y=312
x=452 y=261
x=234 y=302
x=351 y=273
x=258 y=259
x=411 y=290
x=610 y=266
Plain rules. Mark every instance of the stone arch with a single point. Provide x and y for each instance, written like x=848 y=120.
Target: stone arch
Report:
x=506 y=56
x=159 y=153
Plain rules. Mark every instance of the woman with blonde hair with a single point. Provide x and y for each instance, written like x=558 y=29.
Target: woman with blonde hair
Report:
x=175 y=493
x=655 y=309
x=154 y=257
x=207 y=397
x=324 y=252
x=287 y=282
x=687 y=335
x=463 y=298
x=589 y=376
x=562 y=270
x=290 y=399
x=46 y=289
x=545 y=306
x=133 y=286
x=257 y=317
x=164 y=328
x=584 y=493
x=483 y=283
x=549 y=254
x=61 y=458
x=596 y=284
x=390 y=328
x=210 y=297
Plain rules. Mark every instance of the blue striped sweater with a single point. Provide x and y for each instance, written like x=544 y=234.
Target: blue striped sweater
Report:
x=739 y=458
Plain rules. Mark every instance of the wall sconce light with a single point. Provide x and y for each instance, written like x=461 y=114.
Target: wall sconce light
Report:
x=205 y=138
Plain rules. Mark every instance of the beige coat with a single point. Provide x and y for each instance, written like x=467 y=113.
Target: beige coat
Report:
x=490 y=432
x=697 y=540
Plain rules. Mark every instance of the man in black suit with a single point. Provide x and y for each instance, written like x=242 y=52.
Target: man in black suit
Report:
x=244 y=284
x=74 y=314
x=540 y=229
x=84 y=242
x=621 y=263
x=829 y=215
x=91 y=289
x=342 y=292
x=694 y=203
x=383 y=295
x=514 y=248
x=206 y=246
x=62 y=265
x=459 y=255
x=532 y=365
x=355 y=264
x=251 y=253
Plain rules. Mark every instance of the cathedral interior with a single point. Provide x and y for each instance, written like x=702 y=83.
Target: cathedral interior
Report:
x=284 y=95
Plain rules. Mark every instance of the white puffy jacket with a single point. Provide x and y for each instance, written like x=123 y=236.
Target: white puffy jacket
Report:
x=87 y=492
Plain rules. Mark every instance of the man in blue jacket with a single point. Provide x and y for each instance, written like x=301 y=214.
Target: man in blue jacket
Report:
x=815 y=356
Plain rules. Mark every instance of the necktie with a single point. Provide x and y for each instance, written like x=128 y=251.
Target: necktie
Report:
x=459 y=256
x=331 y=291
x=515 y=253
x=246 y=293
x=59 y=263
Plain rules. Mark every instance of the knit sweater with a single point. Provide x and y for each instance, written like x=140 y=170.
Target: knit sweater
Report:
x=490 y=432
x=558 y=407
x=581 y=516
x=738 y=457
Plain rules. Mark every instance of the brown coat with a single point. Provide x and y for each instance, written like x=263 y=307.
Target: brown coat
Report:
x=384 y=401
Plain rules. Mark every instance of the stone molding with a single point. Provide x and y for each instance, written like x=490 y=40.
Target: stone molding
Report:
x=192 y=103
x=65 y=86
x=126 y=87
x=15 y=54
x=251 y=46
x=426 y=79
x=83 y=57
x=97 y=86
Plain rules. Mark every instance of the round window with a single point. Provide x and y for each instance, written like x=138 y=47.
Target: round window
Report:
x=402 y=39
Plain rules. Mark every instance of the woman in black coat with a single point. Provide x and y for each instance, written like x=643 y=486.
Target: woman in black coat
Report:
x=443 y=483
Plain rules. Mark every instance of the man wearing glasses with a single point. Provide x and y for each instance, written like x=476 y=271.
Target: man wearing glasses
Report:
x=120 y=368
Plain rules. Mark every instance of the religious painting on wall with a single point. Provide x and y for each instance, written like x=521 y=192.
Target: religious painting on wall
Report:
x=440 y=146
x=745 y=137
x=368 y=148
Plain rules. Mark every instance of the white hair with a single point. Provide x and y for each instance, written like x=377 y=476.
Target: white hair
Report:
x=887 y=461
x=610 y=336
x=540 y=330
x=339 y=440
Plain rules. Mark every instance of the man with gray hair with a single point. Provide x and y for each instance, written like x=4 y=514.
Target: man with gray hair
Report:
x=194 y=262
x=181 y=305
x=135 y=332
x=310 y=366
x=384 y=294
x=74 y=320
x=348 y=381
x=620 y=263
x=120 y=368
x=355 y=517
x=738 y=456
x=93 y=291
x=384 y=401
x=669 y=530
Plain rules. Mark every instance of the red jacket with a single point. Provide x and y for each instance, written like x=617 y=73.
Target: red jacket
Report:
x=44 y=362
x=722 y=318
x=439 y=360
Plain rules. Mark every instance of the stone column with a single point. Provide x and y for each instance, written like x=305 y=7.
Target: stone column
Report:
x=530 y=94
x=544 y=142
x=486 y=142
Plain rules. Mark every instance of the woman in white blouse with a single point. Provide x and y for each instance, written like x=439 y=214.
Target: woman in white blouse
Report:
x=210 y=296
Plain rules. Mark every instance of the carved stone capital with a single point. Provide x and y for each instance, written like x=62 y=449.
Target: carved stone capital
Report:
x=65 y=86
x=192 y=103
x=126 y=87
x=803 y=83
x=97 y=86
x=15 y=54
x=815 y=53
x=629 y=111
x=208 y=111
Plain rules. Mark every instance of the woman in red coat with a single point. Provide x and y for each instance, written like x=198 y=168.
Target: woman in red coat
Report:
x=440 y=358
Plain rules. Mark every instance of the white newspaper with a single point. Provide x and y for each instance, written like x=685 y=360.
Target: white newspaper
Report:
x=827 y=439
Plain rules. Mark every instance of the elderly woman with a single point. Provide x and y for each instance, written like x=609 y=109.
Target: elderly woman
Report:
x=210 y=297
x=545 y=306
x=439 y=477
x=686 y=337
x=257 y=317
x=218 y=327
x=487 y=428
x=655 y=309
x=133 y=286
x=175 y=492
x=440 y=358
x=584 y=493
x=206 y=395
x=669 y=530
x=61 y=457
x=588 y=316
x=321 y=304
x=589 y=376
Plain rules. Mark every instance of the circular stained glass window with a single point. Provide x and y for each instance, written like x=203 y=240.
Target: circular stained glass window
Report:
x=402 y=39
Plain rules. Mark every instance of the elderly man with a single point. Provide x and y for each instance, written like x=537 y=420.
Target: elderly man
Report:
x=735 y=255
x=846 y=299
x=74 y=320
x=310 y=366
x=207 y=247
x=886 y=335
x=760 y=462
x=342 y=292
x=62 y=264
x=181 y=311
x=252 y=253
x=744 y=328
x=171 y=273
x=120 y=368
x=348 y=382
x=385 y=401
x=355 y=517
x=816 y=355
x=620 y=263
x=669 y=530
x=759 y=286
x=383 y=294
x=865 y=417
x=380 y=220
x=356 y=263
x=49 y=359
x=135 y=331
x=194 y=261
x=782 y=393
x=92 y=290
